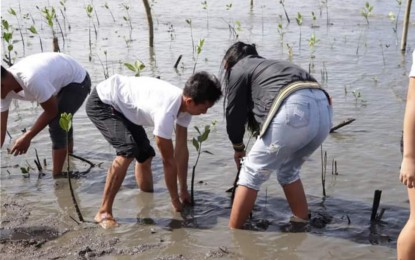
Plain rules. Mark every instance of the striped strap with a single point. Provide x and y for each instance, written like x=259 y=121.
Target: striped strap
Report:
x=282 y=95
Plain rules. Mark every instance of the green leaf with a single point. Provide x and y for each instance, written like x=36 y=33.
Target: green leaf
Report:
x=195 y=144
x=65 y=121
x=12 y=11
x=204 y=136
x=24 y=170
x=130 y=67
x=207 y=152
x=32 y=29
x=5 y=24
x=197 y=129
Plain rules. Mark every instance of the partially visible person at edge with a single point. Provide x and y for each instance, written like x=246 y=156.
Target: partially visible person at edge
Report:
x=406 y=239
x=291 y=127
x=59 y=84
x=120 y=106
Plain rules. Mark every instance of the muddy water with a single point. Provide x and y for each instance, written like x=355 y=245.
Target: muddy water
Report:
x=359 y=63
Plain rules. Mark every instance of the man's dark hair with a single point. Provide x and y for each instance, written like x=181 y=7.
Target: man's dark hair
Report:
x=3 y=72
x=202 y=87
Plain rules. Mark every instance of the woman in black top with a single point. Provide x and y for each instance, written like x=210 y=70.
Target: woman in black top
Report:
x=286 y=108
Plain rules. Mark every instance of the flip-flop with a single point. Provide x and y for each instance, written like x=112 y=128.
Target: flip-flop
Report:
x=107 y=222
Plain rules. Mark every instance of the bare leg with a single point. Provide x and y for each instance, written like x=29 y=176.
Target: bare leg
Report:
x=294 y=192
x=406 y=239
x=144 y=175
x=115 y=177
x=242 y=206
x=58 y=158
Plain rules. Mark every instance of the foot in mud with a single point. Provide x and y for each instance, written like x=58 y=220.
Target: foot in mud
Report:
x=105 y=220
x=296 y=225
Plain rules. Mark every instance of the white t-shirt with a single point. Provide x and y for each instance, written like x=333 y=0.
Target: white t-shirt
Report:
x=412 y=73
x=43 y=75
x=145 y=101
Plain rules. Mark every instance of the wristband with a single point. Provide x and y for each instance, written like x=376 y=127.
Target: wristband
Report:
x=239 y=147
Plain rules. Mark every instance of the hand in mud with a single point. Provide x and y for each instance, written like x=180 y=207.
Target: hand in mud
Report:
x=177 y=205
x=21 y=145
x=185 y=197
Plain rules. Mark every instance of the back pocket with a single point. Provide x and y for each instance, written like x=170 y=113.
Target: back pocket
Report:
x=297 y=114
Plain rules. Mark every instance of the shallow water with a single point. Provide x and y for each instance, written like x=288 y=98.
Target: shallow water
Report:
x=351 y=57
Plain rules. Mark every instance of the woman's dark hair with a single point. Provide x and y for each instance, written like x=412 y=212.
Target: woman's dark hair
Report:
x=202 y=87
x=233 y=55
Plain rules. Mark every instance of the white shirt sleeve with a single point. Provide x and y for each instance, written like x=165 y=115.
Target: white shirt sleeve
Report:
x=412 y=73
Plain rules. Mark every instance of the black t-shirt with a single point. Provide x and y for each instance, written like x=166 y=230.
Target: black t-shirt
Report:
x=253 y=84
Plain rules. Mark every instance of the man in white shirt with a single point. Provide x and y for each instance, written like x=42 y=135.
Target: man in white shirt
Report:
x=59 y=84
x=120 y=106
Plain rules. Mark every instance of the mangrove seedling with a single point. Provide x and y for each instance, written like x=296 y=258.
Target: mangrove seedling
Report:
x=33 y=30
x=285 y=11
x=49 y=15
x=150 y=23
x=205 y=7
x=281 y=32
x=366 y=11
x=199 y=48
x=7 y=36
x=89 y=9
x=127 y=18
x=197 y=143
x=13 y=12
x=136 y=67
x=299 y=20
x=189 y=22
x=65 y=123
x=312 y=42
x=108 y=8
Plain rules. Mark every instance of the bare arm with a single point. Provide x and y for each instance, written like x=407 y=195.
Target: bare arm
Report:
x=407 y=175
x=170 y=169
x=4 y=116
x=50 y=108
x=181 y=153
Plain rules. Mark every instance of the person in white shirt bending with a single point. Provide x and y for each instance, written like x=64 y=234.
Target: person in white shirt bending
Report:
x=120 y=106
x=59 y=84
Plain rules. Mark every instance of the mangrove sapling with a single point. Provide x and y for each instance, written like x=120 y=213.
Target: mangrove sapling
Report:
x=89 y=10
x=189 y=22
x=205 y=7
x=65 y=123
x=281 y=32
x=299 y=20
x=197 y=143
x=136 y=67
x=314 y=19
x=63 y=12
x=366 y=11
x=199 y=48
x=50 y=15
x=108 y=8
x=127 y=18
x=150 y=23
x=33 y=30
x=104 y=67
x=285 y=11
x=7 y=37
x=312 y=42
x=323 y=169
x=13 y=12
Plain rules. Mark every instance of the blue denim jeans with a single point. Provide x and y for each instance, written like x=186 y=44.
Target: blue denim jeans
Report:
x=300 y=126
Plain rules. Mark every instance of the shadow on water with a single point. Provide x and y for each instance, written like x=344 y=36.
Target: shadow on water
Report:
x=330 y=217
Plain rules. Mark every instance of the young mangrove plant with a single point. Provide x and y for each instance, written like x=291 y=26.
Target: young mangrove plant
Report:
x=189 y=22
x=366 y=11
x=65 y=123
x=106 y=6
x=285 y=11
x=89 y=9
x=104 y=66
x=197 y=143
x=127 y=18
x=281 y=32
x=199 y=48
x=135 y=67
x=50 y=15
x=150 y=23
x=205 y=7
x=9 y=56
x=33 y=30
x=299 y=20
x=312 y=42
x=13 y=12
